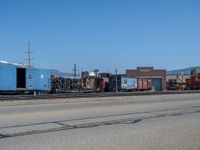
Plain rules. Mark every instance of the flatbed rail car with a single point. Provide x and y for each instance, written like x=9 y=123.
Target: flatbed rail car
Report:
x=61 y=84
x=23 y=79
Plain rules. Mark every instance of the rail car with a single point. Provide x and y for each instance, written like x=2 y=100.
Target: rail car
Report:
x=20 y=79
x=15 y=78
x=193 y=83
x=23 y=79
x=61 y=84
x=124 y=84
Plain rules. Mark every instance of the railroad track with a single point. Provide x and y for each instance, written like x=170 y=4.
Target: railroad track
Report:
x=87 y=95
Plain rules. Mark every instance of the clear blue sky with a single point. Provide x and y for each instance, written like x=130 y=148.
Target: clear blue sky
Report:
x=101 y=33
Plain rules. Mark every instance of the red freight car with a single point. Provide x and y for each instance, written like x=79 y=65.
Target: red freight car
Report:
x=103 y=84
x=193 y=82
x=144 y=84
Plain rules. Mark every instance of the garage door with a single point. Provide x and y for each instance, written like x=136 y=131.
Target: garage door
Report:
x=157 y=84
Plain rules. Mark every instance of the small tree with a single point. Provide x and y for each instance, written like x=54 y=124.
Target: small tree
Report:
x=193 y=71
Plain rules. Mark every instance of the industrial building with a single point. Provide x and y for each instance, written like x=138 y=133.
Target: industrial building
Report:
x=148 y=78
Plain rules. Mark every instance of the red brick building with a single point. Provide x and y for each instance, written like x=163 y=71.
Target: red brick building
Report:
x=155 y=79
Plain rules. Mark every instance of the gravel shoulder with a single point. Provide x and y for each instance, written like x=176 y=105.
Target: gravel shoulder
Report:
x=91 y=99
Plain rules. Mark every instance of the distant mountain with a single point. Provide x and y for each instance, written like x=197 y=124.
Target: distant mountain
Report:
x=60 y=74
x=184 y=71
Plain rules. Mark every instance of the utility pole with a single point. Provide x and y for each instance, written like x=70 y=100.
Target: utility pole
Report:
x=116 y=84
x=29 y=54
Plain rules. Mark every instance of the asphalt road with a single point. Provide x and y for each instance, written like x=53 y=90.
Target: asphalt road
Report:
x=167 y=122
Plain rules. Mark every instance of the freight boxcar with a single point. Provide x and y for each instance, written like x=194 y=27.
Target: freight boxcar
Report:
x=112 y=83
x=128 y=84
x=38 y=79
x=8 y=78
x=144 y=84
x=103 y=84
x=124 y=84
x=19 y=78
x=193 y=83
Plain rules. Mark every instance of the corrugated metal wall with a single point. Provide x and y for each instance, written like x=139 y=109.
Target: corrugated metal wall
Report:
x=157 y=84
x=38 y=79
x=7 y=77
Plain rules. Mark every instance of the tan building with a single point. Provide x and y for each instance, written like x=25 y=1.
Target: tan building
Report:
x=153 y=79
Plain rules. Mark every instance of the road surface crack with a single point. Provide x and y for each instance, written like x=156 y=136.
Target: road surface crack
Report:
x=66 y=126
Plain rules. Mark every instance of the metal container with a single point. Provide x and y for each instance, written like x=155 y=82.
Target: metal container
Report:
x=38 y=79
x=128 y=83
x=112 y=83
x=195 y=82
x=7 y=77
x=124 y=84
